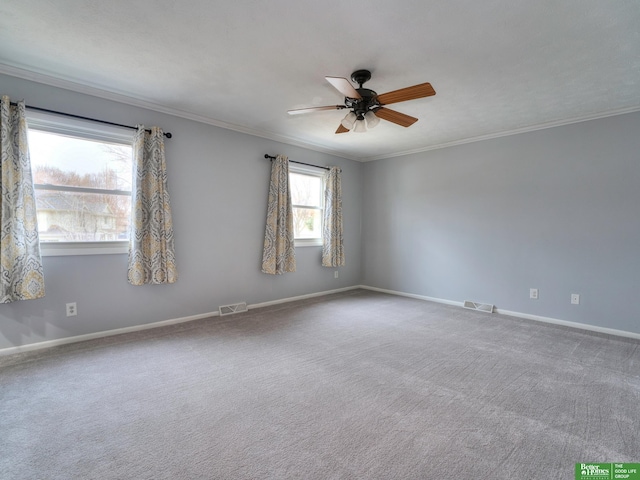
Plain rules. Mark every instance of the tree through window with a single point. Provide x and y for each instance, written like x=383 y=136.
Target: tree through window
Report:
x=82 y=185
x=306 y=197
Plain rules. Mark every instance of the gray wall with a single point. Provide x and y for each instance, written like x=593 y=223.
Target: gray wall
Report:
x=555 y=209
x=218 y=182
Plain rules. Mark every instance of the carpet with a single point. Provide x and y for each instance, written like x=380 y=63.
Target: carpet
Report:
x=355 y=385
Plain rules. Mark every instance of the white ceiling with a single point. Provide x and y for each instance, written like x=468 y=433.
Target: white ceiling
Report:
x=498 y=66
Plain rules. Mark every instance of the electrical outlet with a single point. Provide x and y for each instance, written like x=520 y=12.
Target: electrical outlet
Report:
x=72 y=309
x=533 y=293
x=335 y=274
x=575 y=299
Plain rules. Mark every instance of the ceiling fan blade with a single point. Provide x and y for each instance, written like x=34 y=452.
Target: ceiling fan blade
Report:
x=409 y=93
x=342 y=129
x=315 y=109
x=395 y=117
x=343 y=86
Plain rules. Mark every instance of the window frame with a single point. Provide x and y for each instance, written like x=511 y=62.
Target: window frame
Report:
x=84 y=129
x=312 y=172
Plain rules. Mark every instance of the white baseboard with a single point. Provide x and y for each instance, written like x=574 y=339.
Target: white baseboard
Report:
x=527 y=316
x=566 y=323
x=301 y=297
x=106 y=333
x=174 y=321
x=412 y=295
x=136 y=328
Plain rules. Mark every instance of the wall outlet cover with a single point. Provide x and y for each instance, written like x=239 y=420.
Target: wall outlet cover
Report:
x=72 y=309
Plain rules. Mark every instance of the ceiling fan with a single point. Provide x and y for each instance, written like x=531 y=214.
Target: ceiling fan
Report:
x=367 y=107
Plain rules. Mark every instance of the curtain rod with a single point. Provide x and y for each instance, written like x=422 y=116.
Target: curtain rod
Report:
x=166 y=134
x=270 y=157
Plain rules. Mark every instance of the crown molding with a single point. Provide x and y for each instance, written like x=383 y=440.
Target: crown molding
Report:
x=141 y=103
x=99 y=92
x=507 y=133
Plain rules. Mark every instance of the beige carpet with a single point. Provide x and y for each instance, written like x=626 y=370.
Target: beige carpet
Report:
x=357 y=385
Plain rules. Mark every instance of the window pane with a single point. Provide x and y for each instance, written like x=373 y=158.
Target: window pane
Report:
x=70 y=161
x=307 y=223
x=306 y=190
x=82 y=217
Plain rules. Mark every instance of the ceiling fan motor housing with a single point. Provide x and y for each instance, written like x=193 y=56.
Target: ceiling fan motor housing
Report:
x=362 y=105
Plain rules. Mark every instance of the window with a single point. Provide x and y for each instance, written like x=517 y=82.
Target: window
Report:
x=82 y=174
x=307 y=187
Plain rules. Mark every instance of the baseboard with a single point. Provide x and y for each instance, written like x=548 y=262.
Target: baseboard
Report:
x=301 y=297
x=146 y=326
x=164 y=323
x=527 y=316
x=566 y=323
x=412 y=295
x=106 y=333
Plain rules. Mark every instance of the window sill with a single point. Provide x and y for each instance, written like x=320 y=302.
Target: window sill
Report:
x=57 y=249
x=308 y=242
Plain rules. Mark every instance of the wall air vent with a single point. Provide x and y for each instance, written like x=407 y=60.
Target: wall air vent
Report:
x=231 y=309
x=481 y=307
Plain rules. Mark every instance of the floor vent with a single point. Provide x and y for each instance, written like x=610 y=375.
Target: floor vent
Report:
x=481 y=307
x=235 y=308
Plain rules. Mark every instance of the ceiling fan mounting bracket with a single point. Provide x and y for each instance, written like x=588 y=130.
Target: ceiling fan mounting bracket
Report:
x=361 y=76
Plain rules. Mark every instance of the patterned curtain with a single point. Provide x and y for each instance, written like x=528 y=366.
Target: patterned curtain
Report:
x=332 y=241
x=21 y=274
x=151 y=251
x=279 y=254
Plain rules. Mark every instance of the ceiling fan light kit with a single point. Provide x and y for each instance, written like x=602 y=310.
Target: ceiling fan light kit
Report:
x=349 y=120
x=366 y=106
x=360 y=127
x=372 y=119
